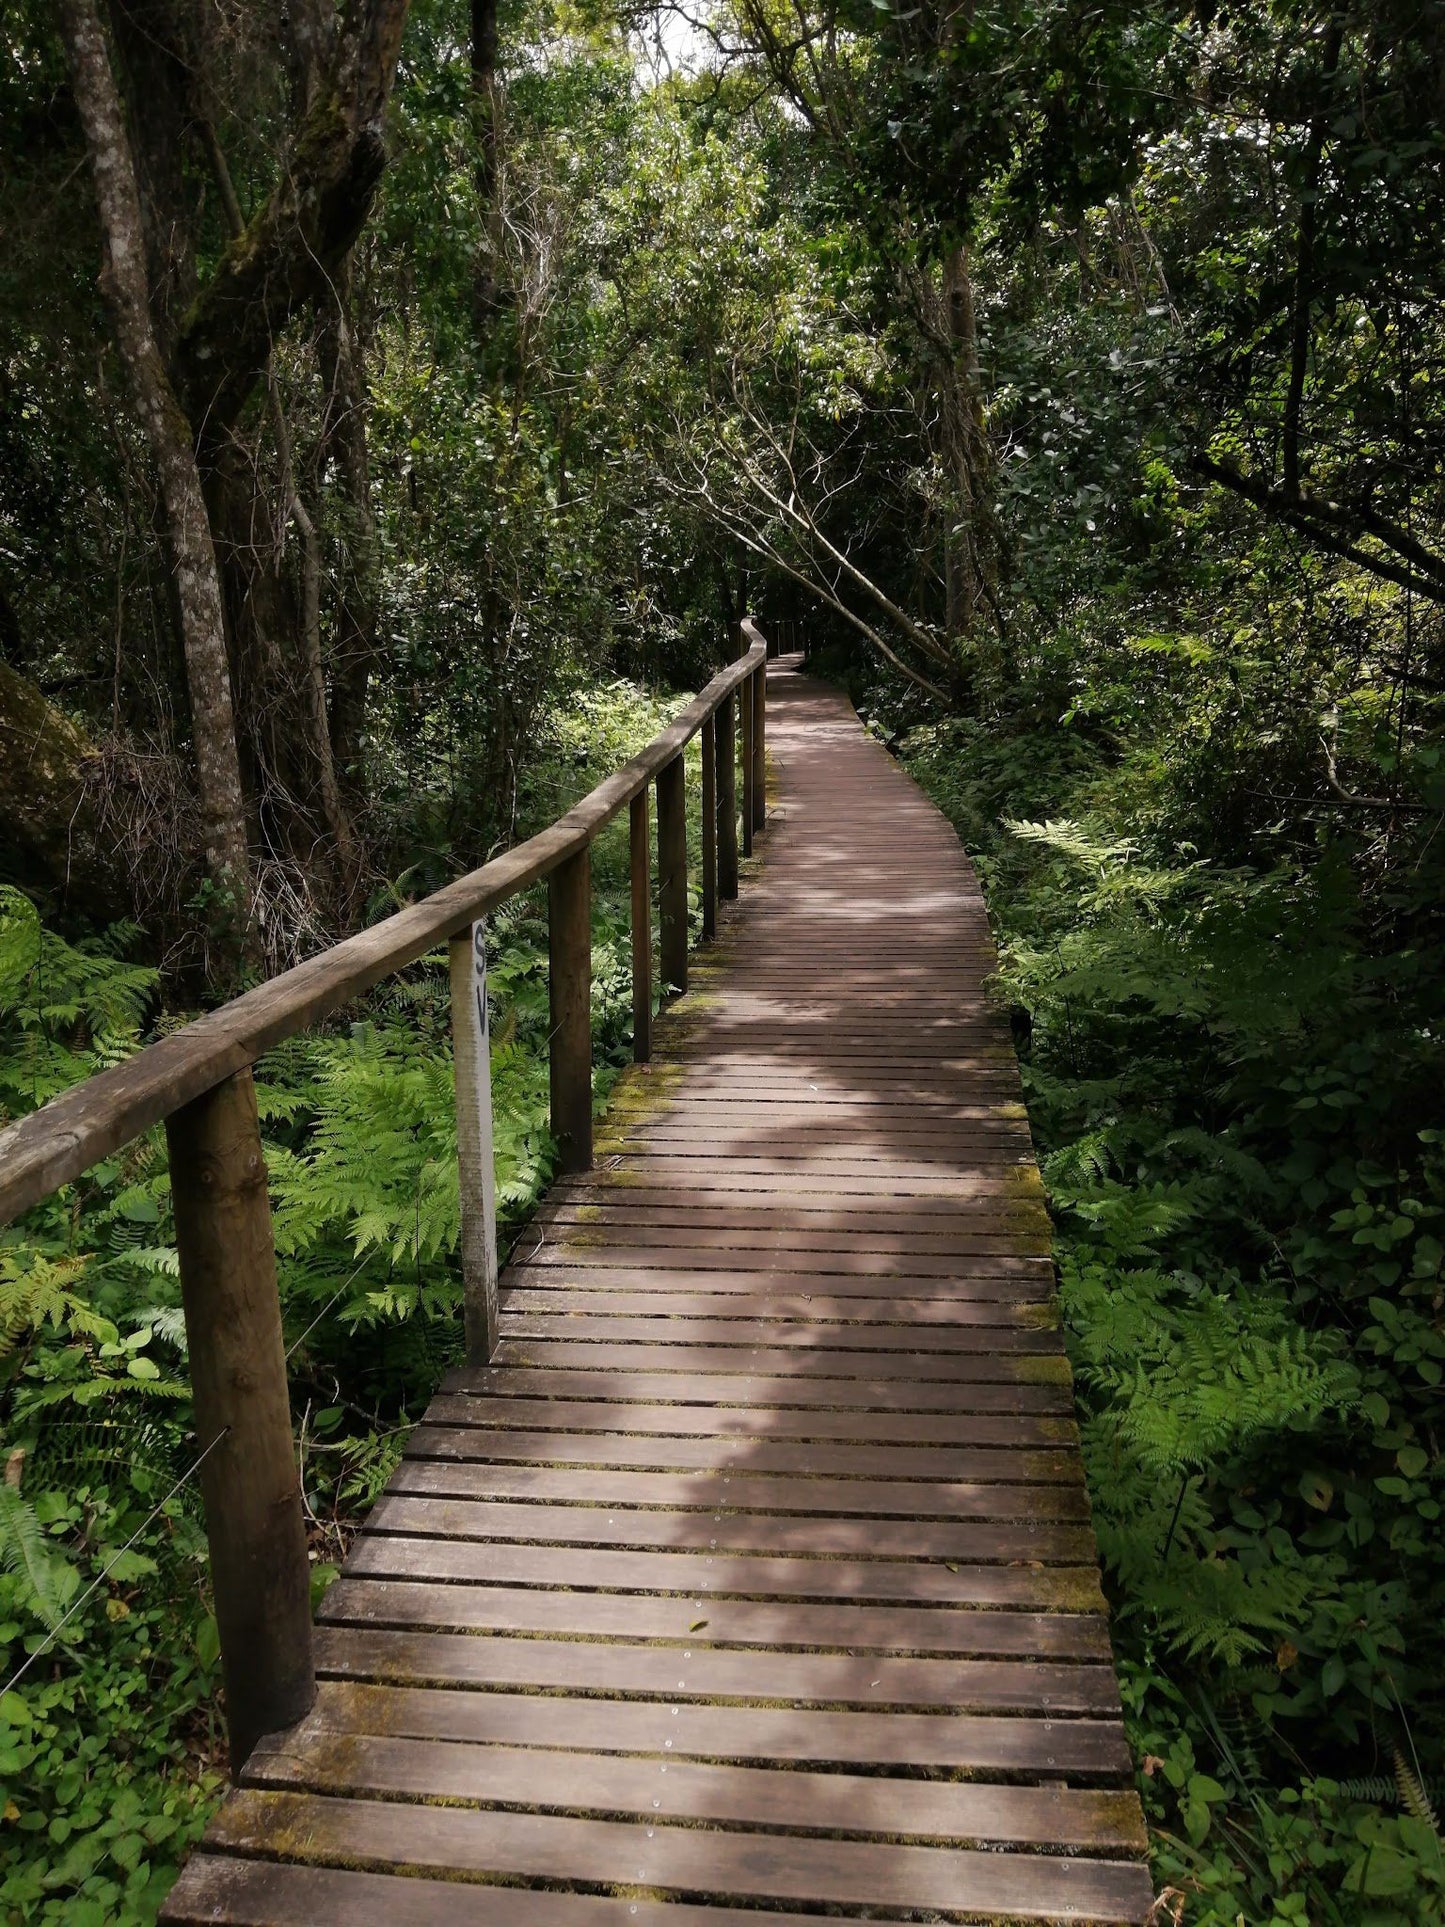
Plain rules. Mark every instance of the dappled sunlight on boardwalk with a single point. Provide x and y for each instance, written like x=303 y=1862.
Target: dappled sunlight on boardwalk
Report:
x=755 y=1572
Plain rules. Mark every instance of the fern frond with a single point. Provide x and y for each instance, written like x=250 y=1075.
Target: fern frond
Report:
x=46 y=1581
x=1376 y=1790
x=1413 y=1797
x=1214 y=1609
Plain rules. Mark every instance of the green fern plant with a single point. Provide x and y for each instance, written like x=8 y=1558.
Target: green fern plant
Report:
x=36 y=1291
x=44 y=1583
x=1414 y=1797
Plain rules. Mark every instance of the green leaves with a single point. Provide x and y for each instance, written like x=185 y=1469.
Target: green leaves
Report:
x=44 y=1581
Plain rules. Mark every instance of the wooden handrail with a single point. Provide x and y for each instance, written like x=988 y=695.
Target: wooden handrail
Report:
x=198 y=1080
x=54 y=1145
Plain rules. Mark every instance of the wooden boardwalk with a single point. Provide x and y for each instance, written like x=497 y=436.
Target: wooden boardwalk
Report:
x=756 y=1572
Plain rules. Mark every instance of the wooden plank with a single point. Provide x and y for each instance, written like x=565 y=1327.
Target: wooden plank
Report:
x=748 y=1389
x=835 y=1177
x=572 y=1311
x=771 y=1215
x=1081 y=1750
x=839 y=1296
x=999 y=1326
x=257 y=1893
x=791 y=1206
x=218 y=1887
x=700 y=1421
x=1032 y=1364
x=572 y=1781
x=594 y=1525
x=965 y=1125
x=703 y=1155
x=1026 y=1584
x=789 y=1202
x=924 y=1254
x=683 y=1860
x=883 y=1111
x=369 y=1647
x=987 y=1275
x=915 y=1275
x=1047 y=1465
x=739 y=1488
x=1017 y=1642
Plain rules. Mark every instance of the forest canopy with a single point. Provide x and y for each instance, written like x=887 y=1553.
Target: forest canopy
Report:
x=400 y=407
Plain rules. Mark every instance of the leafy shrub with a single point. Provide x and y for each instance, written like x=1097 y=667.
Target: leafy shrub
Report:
x=1232 y=1063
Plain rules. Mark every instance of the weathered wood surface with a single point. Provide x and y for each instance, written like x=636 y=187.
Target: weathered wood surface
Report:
x=755 y=1572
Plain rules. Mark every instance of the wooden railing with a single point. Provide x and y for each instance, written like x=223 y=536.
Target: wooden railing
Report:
x=198 y=1082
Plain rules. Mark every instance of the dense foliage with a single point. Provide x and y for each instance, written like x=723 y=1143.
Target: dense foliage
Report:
x=1072 y=372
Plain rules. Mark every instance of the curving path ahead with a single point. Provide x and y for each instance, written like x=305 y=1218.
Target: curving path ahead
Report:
x=756 y=1572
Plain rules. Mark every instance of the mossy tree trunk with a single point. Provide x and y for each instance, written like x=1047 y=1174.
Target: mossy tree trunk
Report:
x=125 y=282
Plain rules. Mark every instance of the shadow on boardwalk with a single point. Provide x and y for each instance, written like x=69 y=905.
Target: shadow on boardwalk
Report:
x=756 y=1571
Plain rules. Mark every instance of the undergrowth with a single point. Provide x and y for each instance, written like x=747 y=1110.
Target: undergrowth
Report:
x=112 y=1749
x=1228 y=1021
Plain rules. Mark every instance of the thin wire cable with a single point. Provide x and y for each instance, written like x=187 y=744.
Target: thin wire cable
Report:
x=48 y=1642
x=101 y=1577
x=344 y=1286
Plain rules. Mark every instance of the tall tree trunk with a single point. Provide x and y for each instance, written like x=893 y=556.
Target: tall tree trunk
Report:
x=253 y=579
x=969 y=451
x=263 y=626
x=486 y=105
x=333 y=809
x=1302 y=300
x=353 y=658
x=198 y=590
x=943 y=303
x=156 y=51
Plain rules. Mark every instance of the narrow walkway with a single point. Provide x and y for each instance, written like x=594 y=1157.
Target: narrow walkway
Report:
x=757 y=1571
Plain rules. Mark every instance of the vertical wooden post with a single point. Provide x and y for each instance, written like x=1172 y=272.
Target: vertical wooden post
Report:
x=747 y=710
x=760 y=731
x=727 y=801
x=709 y=827
x=472 y=1058
x=569 y=983
x=672 y=872
x=641 y=929
x=259 y=1570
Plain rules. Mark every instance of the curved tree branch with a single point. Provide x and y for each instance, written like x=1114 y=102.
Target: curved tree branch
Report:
x=287 y=255
x=1335 y=526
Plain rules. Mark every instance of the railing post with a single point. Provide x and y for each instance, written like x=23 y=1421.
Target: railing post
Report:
x=641 y=929
x=472 y=1058
x=709 y=827
x=672 y=872
x=727 y=801
x=760 y=731
x=260 y=1574
x=569 y=984
x=747 y=709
